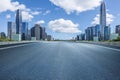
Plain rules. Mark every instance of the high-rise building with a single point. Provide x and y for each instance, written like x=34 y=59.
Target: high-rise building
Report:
x=18 y=22
x=2 y=35
x=89 y=33
x=107 y=32
x=36 y=32
x=117 y=29
x=11 y=29
x=82 y=36
x=24 y=30
x=49 y=37
x=102 y=18
x=43 y=33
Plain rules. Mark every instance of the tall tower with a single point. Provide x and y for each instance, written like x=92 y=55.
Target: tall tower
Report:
x=102 y=19
x=18 y=22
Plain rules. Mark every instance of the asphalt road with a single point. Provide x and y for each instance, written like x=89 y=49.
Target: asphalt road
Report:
x=59 y=61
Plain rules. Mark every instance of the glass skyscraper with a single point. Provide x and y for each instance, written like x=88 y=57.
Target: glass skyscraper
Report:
x=24 y=30
x=11 y=29
x=102 y=19
x=18 y=22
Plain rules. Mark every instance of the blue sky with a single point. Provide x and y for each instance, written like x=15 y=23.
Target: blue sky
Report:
x=62 y=19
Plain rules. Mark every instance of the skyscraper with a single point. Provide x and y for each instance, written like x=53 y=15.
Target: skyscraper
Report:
x=18 y=22
x=89 y=33
x=117 y=29
x=24 y=30
x=36 y=32
x=11 y=29
x=107 y=33
x=102 y=18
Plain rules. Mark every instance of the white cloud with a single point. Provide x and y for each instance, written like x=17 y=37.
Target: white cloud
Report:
x=47 y=12
x=8 y=16
x=27 y=16
x=109 y=19
x=9 y=5
x=35 y=13
x=40 y=22
x=64 y=26
x=76 y=5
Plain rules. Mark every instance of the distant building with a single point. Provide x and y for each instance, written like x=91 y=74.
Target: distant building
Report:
x=18 y=22
x=107 y=33
x=16 y=37
x=113 y=36
x=49 y=37
x=11 y=29
x=2 y=35
x=36 y=32
x=102 y=19
x=24 y=31
x=43 y=34
x=82 y=37
x=117 y=29
x=89 y=33
x=77 y=38
x=97 y=31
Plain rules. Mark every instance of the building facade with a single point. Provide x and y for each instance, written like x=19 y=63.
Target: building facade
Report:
x=36 y=32
x=117 y=29
x=11 y=29
x=18 y=22
x=107 y=32
x=2 y=35
x=102 y=19
x=89 y=33
x=24 y=31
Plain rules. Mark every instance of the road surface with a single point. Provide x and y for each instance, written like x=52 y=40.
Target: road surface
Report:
x=59 y=61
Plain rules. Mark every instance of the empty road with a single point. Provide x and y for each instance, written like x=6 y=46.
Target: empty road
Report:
x=59 y=61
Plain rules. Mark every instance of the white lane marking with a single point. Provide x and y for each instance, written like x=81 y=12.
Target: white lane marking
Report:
x=14 y=46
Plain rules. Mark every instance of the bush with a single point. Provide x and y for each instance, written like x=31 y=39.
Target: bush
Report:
x=4 y=39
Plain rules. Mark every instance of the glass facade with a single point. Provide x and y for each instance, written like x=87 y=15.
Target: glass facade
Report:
x=18 y=22
x=102 y=19
x=24 y=30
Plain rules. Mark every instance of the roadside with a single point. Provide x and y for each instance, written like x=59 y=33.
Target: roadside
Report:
x=106 y=44
x=8 y=44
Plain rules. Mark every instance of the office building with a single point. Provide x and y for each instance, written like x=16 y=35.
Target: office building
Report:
x=43 y=34
x=102 y=19
x=113 y=36
x=11 y=29
x=81 y=37
x=36 y=32
x=117 y=29
x=49 y=37
x=24 y=30
x=96 y=32
x=18 y=22
x=107 y=33
x=89 y=33
x=2 y=35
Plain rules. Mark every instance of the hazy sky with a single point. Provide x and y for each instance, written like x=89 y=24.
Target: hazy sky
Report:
x=62 y=18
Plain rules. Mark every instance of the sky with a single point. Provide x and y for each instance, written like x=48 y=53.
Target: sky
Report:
x=63 y=19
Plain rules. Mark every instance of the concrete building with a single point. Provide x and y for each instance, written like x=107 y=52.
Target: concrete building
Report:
x=18 y=22
x=102 y=19
x=107 y=33
x=113 y=36
x=36 y=32
x=117 y=30
x=11 y=29
x=2 y=35
x=24 y=31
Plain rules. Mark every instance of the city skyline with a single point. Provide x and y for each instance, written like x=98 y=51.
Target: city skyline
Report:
x=51 y=13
